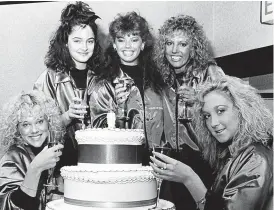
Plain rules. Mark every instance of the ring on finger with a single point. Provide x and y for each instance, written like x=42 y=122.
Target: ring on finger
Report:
x=165 y=166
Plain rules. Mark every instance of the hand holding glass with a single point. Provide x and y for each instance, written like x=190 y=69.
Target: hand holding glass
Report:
x=163 y=150
x=53 y=140
x=80 y=93
x=122 y=90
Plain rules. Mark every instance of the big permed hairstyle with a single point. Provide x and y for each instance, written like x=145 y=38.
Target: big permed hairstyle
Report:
x=12 y=111
x=132 y=23
x=58 y=57
x=199 y=56
x=255 y=119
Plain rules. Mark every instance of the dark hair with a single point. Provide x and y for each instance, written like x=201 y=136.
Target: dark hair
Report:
x=58 y=57
x=132 y=23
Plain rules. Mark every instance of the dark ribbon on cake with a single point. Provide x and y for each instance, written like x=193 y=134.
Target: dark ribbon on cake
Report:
x=110 y=154
x=105 y=204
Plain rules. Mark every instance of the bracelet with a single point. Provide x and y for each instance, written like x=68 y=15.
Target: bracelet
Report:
x=200 y=203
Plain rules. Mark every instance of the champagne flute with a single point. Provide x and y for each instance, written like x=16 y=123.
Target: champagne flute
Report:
x=163 y=150
x=122 y=111
x=80 y=93
x=54 y=138
x=183 y=107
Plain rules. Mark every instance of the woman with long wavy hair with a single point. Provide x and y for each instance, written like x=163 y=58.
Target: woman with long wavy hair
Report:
x=235 y=132
x=183 y=58
x=130 y=84
x=73 y=58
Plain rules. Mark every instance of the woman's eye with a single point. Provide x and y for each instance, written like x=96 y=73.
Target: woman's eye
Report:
x=206 y=116
x=183 y=44
x=220 y=111
x=25 y=125
x=168 y=43
x=76 y=41
x=120 y=40
x=91 y=41
x=135 y=40
x=40 y=121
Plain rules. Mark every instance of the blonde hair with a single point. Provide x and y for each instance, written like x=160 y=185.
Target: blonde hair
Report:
x=255 y=119
x=201 y=56
x=24 y=103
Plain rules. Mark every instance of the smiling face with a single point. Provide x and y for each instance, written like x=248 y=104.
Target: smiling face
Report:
x=128 y=48
x=33 y=127
x=80 y=44
x=177 y=50
x=220 y=116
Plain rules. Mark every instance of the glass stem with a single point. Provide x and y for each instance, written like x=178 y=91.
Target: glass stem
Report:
x=82 y=124
x=159 y=183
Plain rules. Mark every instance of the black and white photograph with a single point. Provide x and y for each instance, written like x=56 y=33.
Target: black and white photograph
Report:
x=136 y=105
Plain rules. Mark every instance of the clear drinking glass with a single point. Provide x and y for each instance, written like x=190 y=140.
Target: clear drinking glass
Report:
x=183 y=115
x=80 y=93
x=122 y=108
x=163 y=150
x=54 y=138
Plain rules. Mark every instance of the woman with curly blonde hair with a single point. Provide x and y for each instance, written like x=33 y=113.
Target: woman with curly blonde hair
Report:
x=235 y=132
x=182 y=56
x=26 y=125
x=182 y=49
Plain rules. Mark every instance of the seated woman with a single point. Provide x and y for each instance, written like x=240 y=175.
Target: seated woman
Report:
x=25 y=126
x=235 y=132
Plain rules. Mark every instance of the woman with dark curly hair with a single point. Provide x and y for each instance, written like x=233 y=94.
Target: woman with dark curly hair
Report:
x=235 y=132
x=72 y=60
x=182 y=56
x=26 y=123
x=130 y=85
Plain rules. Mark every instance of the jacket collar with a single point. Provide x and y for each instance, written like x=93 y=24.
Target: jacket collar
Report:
x=62 y=77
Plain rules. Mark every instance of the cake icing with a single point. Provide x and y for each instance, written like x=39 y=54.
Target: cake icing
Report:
x=112 y=148
x=109 y=174
x=110 y=136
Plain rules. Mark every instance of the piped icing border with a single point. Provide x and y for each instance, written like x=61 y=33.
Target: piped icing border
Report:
x=107 y=176
x=110 y=136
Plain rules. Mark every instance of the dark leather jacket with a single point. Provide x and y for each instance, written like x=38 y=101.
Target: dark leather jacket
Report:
x=13 y=168
x=61 y=87
x=245 y=182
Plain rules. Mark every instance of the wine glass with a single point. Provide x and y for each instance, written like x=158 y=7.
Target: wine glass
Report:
x=163 y=150
x=54 y=138
x=80 y=93
x=183 y=107
x=122 y=110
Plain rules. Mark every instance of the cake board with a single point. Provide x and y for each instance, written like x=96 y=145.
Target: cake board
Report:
x=61 y=205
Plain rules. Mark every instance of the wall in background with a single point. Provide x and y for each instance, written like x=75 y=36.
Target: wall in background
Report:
x=27 y=28
x=237 y=27
x=231 y=27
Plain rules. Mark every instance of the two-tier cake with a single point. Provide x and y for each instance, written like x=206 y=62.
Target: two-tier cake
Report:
x=109 y=174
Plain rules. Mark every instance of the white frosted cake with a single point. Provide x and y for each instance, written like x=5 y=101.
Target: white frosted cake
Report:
x=109 y=168
x=110 y=148
x=109 y=174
